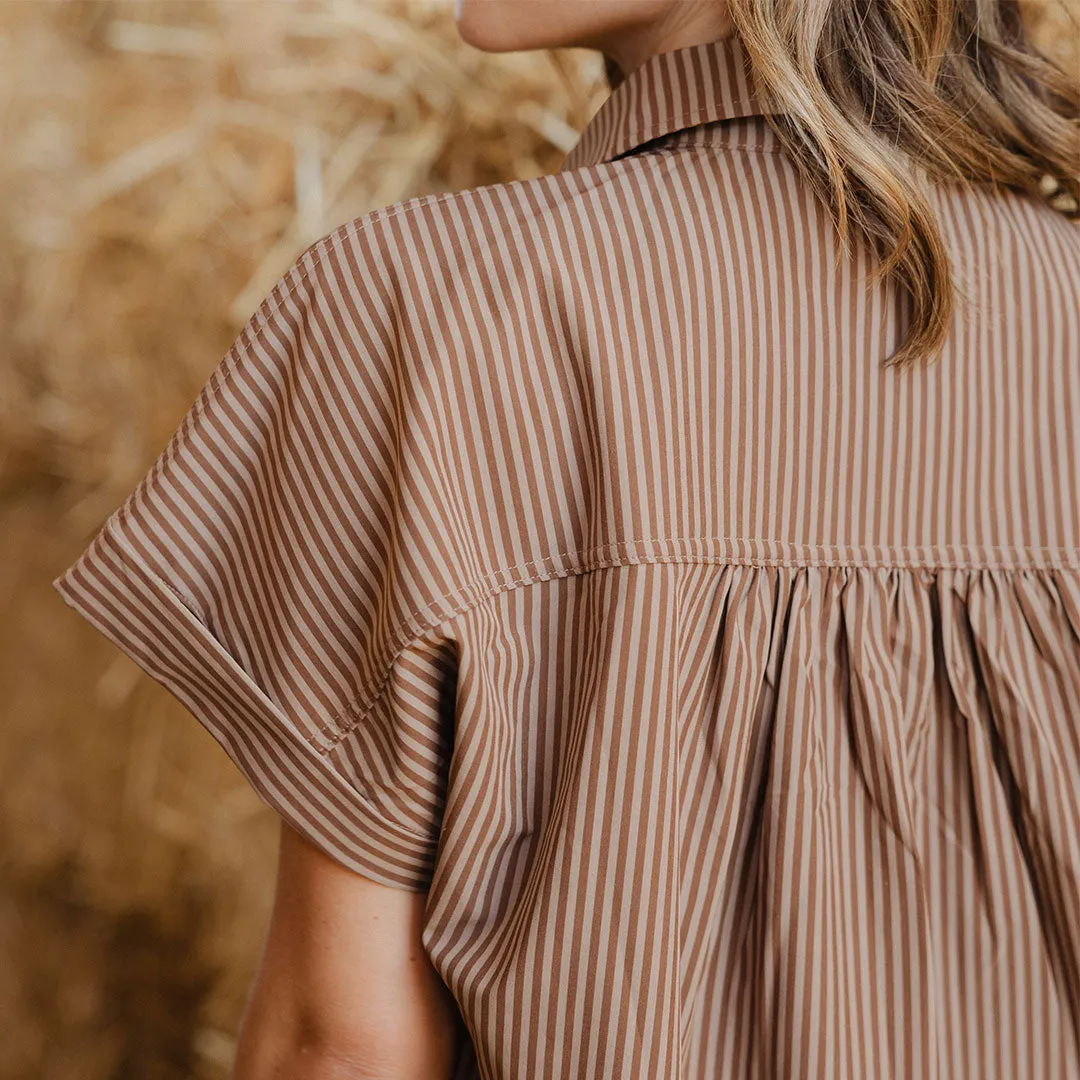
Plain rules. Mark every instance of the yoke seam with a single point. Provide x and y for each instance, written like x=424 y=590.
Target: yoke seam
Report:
x=517 y=576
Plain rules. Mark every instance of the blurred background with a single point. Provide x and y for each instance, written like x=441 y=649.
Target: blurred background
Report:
x=163 y=162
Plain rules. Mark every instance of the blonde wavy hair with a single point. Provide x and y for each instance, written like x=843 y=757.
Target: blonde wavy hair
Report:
x=875 y=96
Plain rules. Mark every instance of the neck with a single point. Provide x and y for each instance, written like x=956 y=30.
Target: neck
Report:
x=684 y=24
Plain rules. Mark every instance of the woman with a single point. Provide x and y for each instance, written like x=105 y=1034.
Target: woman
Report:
x=650 y=593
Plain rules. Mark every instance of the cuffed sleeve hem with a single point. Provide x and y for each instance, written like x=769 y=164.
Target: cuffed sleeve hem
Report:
x=140 y=613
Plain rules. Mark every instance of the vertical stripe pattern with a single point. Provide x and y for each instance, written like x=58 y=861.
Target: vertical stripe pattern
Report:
x=563 y=548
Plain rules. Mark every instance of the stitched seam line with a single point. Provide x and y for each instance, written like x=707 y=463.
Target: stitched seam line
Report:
x=335 y=731
x=335 y=242
x=195 y=611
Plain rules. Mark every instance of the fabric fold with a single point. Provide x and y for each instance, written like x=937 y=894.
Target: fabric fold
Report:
x=132 y=605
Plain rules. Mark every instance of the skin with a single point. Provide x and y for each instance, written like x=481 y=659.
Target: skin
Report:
x=629 y=31
x=344 y=988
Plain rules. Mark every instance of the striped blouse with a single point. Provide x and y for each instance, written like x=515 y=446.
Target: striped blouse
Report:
x=564 y=548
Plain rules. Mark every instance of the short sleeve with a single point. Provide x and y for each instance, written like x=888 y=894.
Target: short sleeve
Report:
x=269 y=572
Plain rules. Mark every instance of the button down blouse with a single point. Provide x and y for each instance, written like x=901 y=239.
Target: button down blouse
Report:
x=564 y=547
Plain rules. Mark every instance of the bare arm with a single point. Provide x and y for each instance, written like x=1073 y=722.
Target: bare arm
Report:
x=344 y=989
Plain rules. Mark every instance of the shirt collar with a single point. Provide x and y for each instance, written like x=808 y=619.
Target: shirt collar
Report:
x=669 y=91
